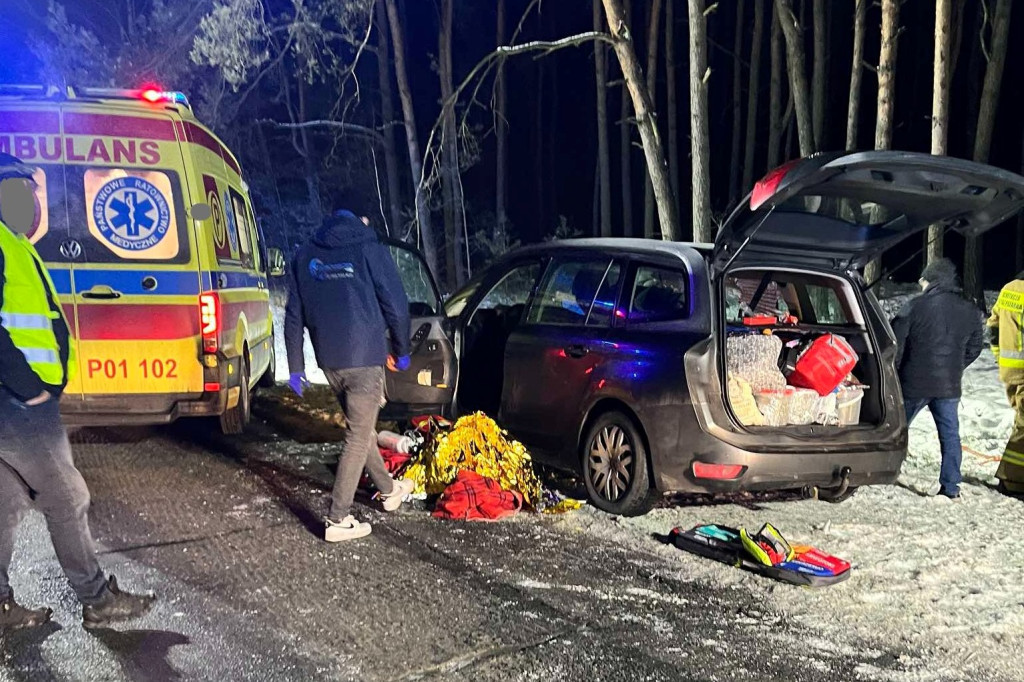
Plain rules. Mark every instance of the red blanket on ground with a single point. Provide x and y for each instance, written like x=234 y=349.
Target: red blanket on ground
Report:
x=392 y=460
x=475 y=498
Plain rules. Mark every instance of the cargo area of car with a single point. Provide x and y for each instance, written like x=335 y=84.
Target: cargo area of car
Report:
x=798 y=353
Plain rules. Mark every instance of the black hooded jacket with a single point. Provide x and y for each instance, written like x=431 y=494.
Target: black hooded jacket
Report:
x=939 y=334
x=345 y=289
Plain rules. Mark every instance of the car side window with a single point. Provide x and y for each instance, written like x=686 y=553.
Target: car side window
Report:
x=513 y=289
x=828 y=309
x=602 y=310
x=659 y=295
x=417 y=282
x=568 y=292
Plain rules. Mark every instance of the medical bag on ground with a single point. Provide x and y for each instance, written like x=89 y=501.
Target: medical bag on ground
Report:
x=824 y=365
x=766 y=553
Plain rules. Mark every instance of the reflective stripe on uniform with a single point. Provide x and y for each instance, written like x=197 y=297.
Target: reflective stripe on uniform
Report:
x=1013 y=457
x=40 y=355
x=25 y=321
x=1011 y=300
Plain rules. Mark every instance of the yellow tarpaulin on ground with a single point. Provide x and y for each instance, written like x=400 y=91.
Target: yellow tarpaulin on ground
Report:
x=478 y=444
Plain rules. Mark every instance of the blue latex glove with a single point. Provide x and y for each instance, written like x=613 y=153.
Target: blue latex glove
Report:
x=399 y=364
x=298 y=382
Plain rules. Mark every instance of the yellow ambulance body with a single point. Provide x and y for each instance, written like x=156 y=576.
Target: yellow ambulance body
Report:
x=147 y=228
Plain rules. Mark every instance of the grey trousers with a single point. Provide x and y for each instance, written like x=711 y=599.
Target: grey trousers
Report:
x=35 y=460
x=360 y=391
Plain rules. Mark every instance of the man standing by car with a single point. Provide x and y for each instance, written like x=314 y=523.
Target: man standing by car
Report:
x=346 y=290
x=35 y=455
x=939 y=335
x=1006 y=331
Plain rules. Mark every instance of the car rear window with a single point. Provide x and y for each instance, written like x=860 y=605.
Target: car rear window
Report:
x=127 y=214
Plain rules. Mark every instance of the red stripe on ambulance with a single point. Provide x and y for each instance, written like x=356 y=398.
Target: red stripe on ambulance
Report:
x=126 y=322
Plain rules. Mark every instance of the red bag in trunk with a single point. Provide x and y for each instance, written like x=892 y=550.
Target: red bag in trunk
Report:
x=824 y=365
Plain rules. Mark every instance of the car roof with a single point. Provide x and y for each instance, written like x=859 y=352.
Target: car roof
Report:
x=680 y=250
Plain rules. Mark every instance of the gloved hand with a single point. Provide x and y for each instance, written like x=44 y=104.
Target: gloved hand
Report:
x=399 y=364
x=298 y=382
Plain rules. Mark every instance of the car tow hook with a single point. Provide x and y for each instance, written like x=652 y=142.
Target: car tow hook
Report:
x=833 y=493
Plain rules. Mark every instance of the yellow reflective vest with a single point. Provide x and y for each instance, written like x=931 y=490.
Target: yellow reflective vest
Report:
x=1006 y=327
x=26 y=314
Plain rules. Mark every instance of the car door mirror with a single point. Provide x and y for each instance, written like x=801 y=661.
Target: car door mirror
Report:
x=201 y=212
x=275 y=262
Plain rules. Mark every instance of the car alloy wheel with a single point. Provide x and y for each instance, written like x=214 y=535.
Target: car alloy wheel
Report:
x=612 y=462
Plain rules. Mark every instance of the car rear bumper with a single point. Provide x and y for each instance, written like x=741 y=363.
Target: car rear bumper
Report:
x=149 y=408
x=779 y=471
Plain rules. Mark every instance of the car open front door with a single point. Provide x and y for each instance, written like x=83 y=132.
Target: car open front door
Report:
x=428 y=386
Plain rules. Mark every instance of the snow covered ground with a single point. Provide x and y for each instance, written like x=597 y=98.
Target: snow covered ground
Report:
x=942 y=580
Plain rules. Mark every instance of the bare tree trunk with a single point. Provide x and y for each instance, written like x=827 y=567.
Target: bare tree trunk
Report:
x=886 y=95
x=752 y=95
x=940 y=105
x=957 y=22
x=818 y=75
x=860 y=15
x=653 y=34
x=603 y=157
x=673 y=100
x=451 y=180
x=501 y=131
x=626 y=143
x=973 y=285
x=426 y=231
x=737 y=106
x=699 y=133
x=775 y=127
x=387 y=104
x=657 y=166
x=797 y=74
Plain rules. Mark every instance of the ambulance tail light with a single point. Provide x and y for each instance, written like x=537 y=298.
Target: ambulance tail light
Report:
x=209 y=321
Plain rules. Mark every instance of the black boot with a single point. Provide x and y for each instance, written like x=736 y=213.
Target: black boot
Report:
x=14 y=617
x=116 y=606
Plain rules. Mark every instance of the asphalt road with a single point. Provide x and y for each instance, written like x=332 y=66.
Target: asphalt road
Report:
x=226 y=532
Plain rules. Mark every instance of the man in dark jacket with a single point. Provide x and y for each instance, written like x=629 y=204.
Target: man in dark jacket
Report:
x=346 y=290
x=940 y=334
x=35 y=455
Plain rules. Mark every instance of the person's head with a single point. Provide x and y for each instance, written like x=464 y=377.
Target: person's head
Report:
x=17 y=194
x=940 y=272
x=353 y=204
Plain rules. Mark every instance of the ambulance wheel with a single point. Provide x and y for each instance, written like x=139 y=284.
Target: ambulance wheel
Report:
x=234 y=421
x=615 y=467
x=269 y=378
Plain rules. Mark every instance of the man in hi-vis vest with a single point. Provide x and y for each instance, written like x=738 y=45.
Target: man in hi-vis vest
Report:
x=1006 y=333
x=35 y=456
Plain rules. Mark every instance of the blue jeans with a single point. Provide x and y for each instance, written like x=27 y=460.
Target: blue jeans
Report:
x=947 y=421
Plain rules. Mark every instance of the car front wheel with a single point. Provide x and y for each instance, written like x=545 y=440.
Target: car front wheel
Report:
x=615 y=468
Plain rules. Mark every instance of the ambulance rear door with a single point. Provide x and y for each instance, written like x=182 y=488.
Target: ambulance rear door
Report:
x=31 y=132
x=136 y=272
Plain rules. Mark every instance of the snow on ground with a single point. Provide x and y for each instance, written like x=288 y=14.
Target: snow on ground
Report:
x=313 y=372
x=940 y=579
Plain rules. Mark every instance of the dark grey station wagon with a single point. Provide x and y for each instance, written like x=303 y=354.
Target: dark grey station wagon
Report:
x=609 y=357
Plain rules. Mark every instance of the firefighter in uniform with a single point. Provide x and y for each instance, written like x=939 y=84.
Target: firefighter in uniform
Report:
x=35 y=455
x=1006 y=333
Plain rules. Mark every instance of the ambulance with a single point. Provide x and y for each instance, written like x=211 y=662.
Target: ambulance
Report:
x=147 y=228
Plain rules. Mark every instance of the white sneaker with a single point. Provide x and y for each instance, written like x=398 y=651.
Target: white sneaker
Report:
x=347 y=529
x=403 y=487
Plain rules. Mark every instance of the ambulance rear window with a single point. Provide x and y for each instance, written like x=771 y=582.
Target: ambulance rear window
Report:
x=127 y=214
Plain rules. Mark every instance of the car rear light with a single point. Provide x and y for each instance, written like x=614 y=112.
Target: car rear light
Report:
x=718 y=471
x=211 y=386
x=767 y=186
x=209 y=321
